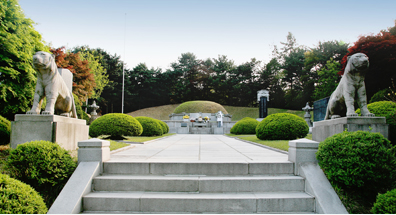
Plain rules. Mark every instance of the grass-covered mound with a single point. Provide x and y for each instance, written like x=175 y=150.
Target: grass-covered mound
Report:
x=282 y=126
x=151 y=127
x=5 y=131
x=200 y=106
x=19 y=198
x=246 y=125
x=362 y=163
x=116 y=125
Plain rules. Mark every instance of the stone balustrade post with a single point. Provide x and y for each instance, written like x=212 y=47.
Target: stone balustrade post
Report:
x=302 y=151
x=94 y=150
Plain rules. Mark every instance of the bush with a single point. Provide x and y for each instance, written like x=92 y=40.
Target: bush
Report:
x=246 y=125
x=386 y=203
x=19 y=198
x=200 y=106
x=386 y=109
x=151 y=127
x=5 y=131
x=116 y=125
x=282 y=126
x=80 y=113
x=43 y=165
x=164 y=126
x=380 y=95
x=359 y=162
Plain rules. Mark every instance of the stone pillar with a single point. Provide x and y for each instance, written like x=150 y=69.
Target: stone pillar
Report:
x=302 y=151
x=94 y=150
x=263 y=107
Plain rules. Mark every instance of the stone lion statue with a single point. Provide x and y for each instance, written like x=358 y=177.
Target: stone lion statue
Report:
x=51 y=85
x=350 y=89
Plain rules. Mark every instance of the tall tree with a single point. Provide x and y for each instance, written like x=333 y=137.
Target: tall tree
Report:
x=271 y=80
x=83 y=79
x=18 y=42
x=381 y=50
x=328 y=79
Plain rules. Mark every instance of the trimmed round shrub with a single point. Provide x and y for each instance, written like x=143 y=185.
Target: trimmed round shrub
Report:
x=360 y=161
x=116 y=125
x=246 y=125
x=200 y=106
x=5 y=131
x=282 y=126
x=164 y=126
x=385 y=204
x=43 y=165
x=386 y=109
x=19 y=198
x=151 y=127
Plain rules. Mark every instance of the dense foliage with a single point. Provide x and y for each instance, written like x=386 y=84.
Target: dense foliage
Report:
x=200 y=106
x=282 y=126
x=43 y=165
x=151 y=127
x=386 y=203
x=80 y=113
x=246 y=125
x=19 y=41
x=5 y=131
x=17 y=197
x=382 y=95
x=115 y=125
x=361 y=162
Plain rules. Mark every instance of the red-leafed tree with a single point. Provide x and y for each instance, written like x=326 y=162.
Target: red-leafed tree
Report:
x=83 y=79
x=381 y=50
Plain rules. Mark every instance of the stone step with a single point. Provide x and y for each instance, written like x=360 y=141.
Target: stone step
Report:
x=155 y=183
x=199 y=168
x=151 y=202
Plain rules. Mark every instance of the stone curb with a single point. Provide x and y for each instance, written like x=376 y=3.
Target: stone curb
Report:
x=131 y=146
x=260 y=145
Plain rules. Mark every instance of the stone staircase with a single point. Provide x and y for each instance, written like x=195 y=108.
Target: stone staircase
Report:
x=198 y=187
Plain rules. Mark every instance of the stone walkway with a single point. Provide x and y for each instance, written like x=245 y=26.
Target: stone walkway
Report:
x=198 y=148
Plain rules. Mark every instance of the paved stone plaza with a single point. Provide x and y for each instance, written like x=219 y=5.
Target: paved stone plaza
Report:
x=205 y=148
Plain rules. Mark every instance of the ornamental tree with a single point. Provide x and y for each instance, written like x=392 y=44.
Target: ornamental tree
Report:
x=83 y=79
x=381 y=50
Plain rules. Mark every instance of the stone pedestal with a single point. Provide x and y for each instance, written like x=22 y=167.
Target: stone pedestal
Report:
x=326 y=128
x=302 y=151
x=67 y=132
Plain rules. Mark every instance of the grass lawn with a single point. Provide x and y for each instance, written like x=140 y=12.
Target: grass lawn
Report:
x=278 y=144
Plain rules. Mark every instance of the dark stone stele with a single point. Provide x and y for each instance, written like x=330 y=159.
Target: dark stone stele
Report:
x=263 y=107
x=320 y=107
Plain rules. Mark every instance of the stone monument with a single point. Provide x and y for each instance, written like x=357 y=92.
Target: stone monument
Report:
x=94 y=115
x=307 y=116
x=65 y=129
x=263 y=98
x=340 y=113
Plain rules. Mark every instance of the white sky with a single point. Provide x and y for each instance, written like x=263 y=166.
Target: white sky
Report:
x=157 y=32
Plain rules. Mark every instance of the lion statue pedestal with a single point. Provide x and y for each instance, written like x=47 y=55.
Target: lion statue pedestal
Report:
x=340 y=113
x=63 y=128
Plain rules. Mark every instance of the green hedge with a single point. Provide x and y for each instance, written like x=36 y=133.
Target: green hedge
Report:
x=282 y=126
x=116 y=125
x=151 y=127
x=361 y=162
x=200 y=106
x=17 y=197
x=386 y=203
x=380 y=95
x=246 y=125
x=5 y=131
x=43 y=165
